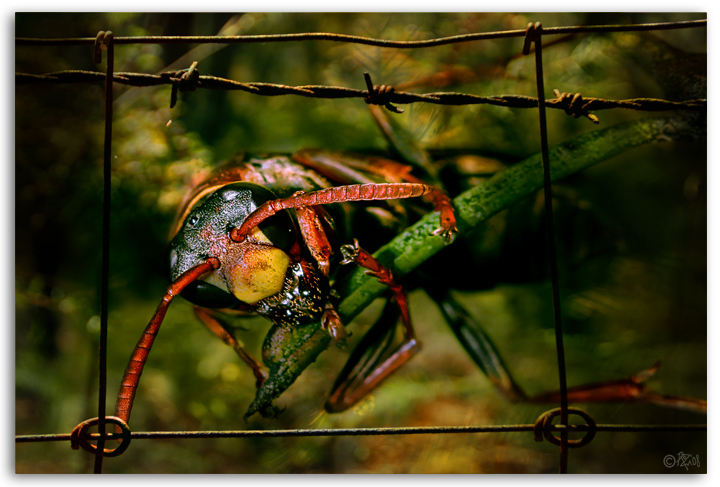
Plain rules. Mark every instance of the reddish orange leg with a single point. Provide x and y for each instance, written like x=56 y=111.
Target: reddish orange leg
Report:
x=332 y=323
x=629 y=389
x=354 y=192
x=131 y=378
x=441 y=201
x=355 y=253
x=346 y=168
x=209 y=319
x=375 y=358
x=311 y=227
x=314 y=234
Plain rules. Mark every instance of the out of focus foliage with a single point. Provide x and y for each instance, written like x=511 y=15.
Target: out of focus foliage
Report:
x=650 y=303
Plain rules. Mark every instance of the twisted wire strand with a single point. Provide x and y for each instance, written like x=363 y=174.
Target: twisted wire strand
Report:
x=561 y=102
x=325 y=36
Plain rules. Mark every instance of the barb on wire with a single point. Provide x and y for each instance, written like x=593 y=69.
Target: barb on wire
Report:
x=573 y=105
x=577 y=106
x=183 y=80
x=380 y=95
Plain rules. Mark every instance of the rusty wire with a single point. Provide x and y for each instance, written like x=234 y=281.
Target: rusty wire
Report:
x=324 y=36
x=189 y=80
x=104 y=42
x=543 y=428
x=534 y=36
x=507 y=428
x=573 y=104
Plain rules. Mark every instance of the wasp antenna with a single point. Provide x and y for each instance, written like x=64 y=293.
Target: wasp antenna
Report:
x=339 y=194
x=131 y=377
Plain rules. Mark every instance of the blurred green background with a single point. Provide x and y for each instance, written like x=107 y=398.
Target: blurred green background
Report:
x=642 y=301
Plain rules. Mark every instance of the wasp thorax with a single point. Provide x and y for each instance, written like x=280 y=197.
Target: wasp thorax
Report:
x=250 y=270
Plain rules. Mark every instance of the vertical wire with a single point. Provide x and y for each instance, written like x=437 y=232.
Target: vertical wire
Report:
x=551 y=249
x=105 y=269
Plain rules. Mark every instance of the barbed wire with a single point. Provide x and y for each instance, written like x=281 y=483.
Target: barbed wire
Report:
x=573 y=104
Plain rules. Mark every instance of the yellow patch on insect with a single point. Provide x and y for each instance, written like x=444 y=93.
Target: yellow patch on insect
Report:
x=252 y=270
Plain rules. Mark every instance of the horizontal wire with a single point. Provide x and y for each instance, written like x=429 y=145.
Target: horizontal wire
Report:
x=377 y=431
x=324 y=36
x=335 y=92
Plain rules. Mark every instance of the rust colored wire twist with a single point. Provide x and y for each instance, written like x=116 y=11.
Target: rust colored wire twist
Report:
x=544 y=426
x=102 y=41
x=183 y=80
x=575 y=105
x=80 y=436
x=532 y=34
x=380 y=95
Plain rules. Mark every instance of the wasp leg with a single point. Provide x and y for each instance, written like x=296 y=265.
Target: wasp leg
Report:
x=355 y=253
x=310 y=220
x=406 y=145
x=439 y=199
x=476 y=342
x=372 y=361
x=332 y=323
x=349 y=169
x=376 y=356
x=313 y=232
x=214 y=324
x=632 y=388
x=478 y=345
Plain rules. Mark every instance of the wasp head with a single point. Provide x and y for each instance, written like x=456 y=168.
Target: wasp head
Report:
x=249 y=271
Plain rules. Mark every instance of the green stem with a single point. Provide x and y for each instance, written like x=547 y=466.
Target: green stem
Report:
x=416 y=244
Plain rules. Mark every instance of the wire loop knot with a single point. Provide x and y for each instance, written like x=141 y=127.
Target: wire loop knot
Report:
x=102 y=41
x=532 y=34
x=80 y=436
x=380 y=95
x=544 y=424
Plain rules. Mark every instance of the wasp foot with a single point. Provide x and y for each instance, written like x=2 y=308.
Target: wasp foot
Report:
x=447 y=233
x=350 y=252
x=333 y=325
